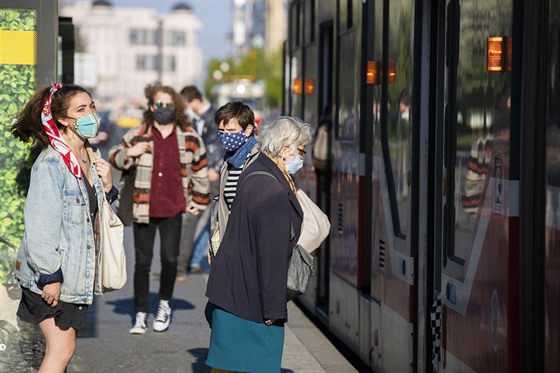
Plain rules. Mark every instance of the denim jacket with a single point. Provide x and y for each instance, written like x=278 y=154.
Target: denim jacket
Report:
x=58 y=236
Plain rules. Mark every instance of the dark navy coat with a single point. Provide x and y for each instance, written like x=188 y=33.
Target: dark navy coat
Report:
x=249 y=273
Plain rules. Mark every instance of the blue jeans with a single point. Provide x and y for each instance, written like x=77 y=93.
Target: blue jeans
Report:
x=201 y=245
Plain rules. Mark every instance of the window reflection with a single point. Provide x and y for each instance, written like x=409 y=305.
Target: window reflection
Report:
x=398 y=135
x=483 y=104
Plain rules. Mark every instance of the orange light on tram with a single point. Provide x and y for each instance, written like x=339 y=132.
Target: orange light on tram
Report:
x=296 y=87
x=309 y=86
x=494 y=53
x=392 y=77
x=372 y=73
x=498 y=53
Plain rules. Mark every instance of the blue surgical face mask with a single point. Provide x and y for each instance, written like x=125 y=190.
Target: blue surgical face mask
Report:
x=88 y=126
x=232 y=141
x=294 y=164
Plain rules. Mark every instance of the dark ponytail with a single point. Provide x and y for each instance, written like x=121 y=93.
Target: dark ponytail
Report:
x=28 y=126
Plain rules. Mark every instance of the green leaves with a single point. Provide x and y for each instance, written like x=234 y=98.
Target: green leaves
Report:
x=18 y=20
x=18 y=83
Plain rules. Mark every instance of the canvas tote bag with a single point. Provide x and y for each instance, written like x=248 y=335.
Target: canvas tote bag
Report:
x=112 y=259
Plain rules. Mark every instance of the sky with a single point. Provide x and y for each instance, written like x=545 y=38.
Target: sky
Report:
x=215 y=16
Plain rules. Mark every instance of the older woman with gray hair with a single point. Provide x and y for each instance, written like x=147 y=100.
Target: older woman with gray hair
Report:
x=247 y=284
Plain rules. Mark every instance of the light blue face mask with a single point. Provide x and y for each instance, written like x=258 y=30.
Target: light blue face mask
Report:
x=294 y=164
x=88 y=126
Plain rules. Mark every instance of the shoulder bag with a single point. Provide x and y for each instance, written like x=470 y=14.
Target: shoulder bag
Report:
x=315 y=227
x=314 y=230
x=112 y=259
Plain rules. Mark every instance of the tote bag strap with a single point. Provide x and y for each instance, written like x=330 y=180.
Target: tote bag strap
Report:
x=254 y=173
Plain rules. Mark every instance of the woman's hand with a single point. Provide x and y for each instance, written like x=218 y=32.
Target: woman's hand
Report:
x=192 y=210
x=137 y=149
x=51 y=293
x=104 y=171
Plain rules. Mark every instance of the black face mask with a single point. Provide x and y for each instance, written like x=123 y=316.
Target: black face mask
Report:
x=164 y=115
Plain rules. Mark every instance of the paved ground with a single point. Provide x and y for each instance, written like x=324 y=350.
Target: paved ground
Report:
x=107 y=346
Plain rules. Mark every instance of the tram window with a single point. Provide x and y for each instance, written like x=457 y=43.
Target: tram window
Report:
x=296 y=24
x=347 y=117
x=310 y=21
x=346 y=17
x=397 y=139
x=480 y=106
x=349 y=15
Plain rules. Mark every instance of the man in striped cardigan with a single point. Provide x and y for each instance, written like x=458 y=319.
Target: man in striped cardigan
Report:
x=171 y=178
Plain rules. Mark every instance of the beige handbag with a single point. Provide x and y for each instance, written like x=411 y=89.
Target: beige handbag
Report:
x=112 y=259
x=315 y=227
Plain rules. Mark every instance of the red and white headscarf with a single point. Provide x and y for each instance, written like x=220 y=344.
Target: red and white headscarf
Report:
x=56 y=140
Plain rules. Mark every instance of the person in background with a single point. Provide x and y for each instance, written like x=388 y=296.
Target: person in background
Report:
x=171 y=178
x=56 y=263
x=203 y=120
x=247 y=286
x=236 y=124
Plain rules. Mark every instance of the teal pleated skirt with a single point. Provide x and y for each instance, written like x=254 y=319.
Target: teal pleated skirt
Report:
x=240 y=345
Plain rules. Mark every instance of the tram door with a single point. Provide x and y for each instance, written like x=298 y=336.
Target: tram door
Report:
x=475 y=186
x=391 y=71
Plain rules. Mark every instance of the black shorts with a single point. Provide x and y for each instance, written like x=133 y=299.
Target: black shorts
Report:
x=34 y=309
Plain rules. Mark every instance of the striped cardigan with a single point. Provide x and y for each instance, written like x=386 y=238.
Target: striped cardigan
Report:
x=193 y=168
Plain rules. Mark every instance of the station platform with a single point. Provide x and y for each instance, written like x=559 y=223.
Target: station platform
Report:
x=106 y=345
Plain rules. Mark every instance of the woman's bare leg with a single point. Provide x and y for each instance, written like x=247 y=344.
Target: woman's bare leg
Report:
x=60 y=346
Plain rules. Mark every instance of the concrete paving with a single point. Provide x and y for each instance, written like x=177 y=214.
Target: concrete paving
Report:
x=106 y=345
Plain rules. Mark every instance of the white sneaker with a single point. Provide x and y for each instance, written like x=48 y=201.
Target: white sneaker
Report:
x=163 y=317
x=141 y=324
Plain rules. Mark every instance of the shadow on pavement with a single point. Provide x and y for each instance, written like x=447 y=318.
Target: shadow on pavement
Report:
x=199 y=366
x=126 y=306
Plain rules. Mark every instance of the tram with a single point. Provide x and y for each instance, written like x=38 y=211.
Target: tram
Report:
x=442 y=181
x=251 y=93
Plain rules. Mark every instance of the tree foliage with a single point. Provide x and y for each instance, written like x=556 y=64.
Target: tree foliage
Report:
x=255 y=65
x=18 y=84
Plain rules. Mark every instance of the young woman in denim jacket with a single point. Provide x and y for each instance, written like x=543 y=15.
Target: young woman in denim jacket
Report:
x=56 y=264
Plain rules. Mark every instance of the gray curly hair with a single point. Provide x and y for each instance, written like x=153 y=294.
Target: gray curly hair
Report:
x=284 y=131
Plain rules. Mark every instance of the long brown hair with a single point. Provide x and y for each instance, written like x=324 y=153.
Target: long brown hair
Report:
x=180 y=119
x=28 y=126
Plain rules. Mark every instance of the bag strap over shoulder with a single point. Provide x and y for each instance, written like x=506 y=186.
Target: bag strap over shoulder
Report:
x=254 y=173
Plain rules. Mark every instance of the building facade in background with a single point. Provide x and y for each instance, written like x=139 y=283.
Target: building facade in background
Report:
x=258 y=24
x=120 y=50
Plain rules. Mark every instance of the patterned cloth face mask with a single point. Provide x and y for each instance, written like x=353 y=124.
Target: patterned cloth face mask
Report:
x=232 y=141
